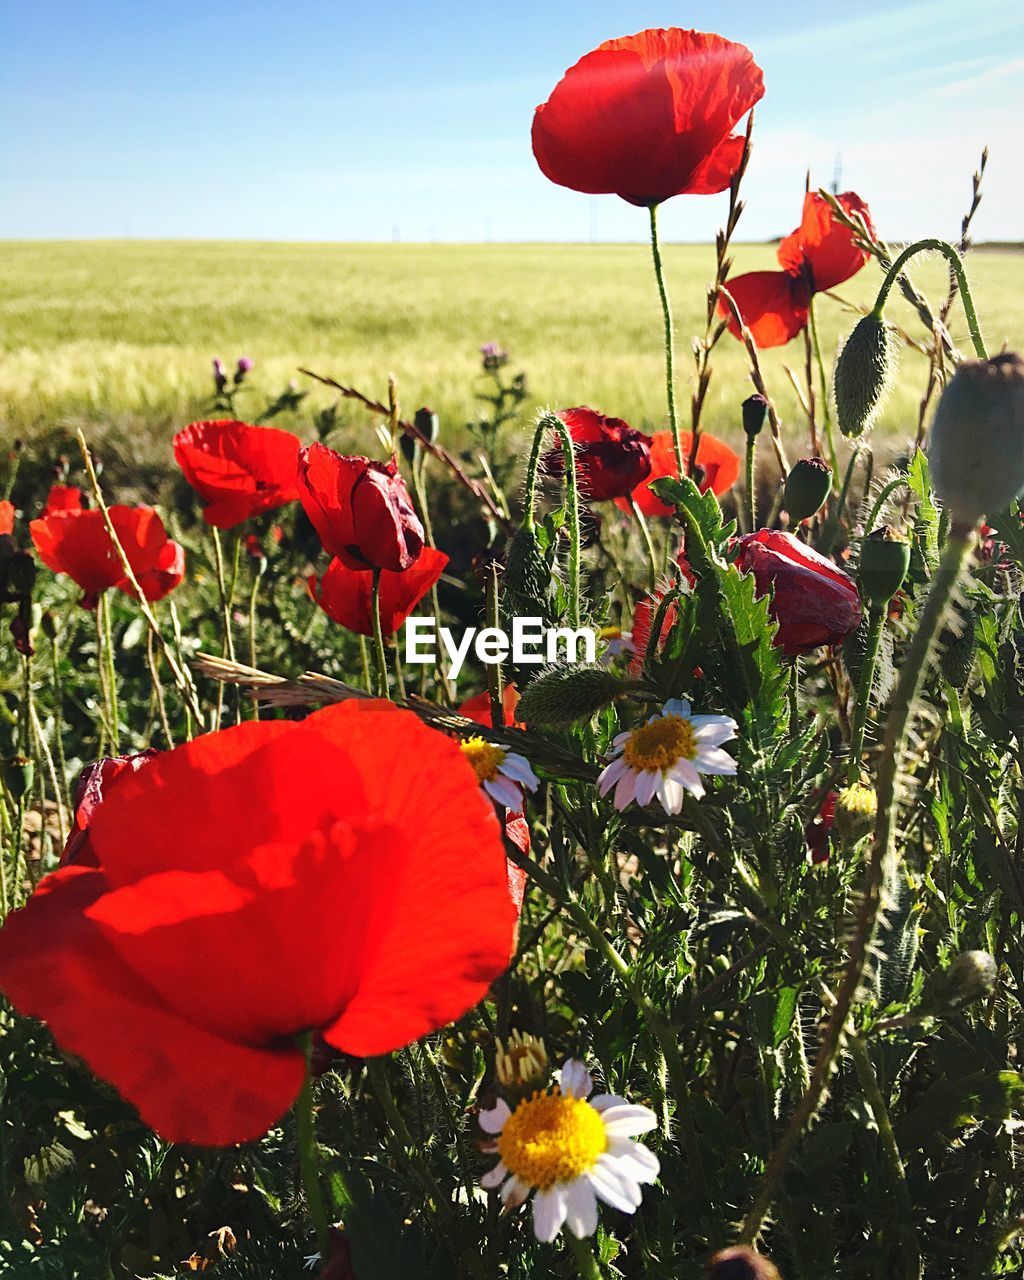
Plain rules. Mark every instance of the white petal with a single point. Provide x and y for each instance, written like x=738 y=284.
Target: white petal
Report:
x=494 y=1177
x=713 y=735
x=610 y=775
x=703 y=723
x=629 y=1121
x=625 y=790
x=677 y=707
x=646 y=785
x=505 y=792
x=633 y=1160
x=515 y=1192
x=602 y=1101
x=622 y=738
x=684 y=772
x=518 y=769
x=575 y=1079
x=671 y=793
x=581 y=1218
x=714 y=760
x=493 y=1121
x=549 y=1210
x=621 y=1194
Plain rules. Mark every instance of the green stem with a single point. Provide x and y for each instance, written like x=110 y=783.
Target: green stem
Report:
x=108 y=647
x=902 y=708
x=583 y=1254
x=652 y=558
x=383 y=689
x=750 y=493
x=835 y=521
x=306 y=1140
x=666 y=311
x=495 y=681
x=876 y=621
x=956 y=263
x=823 y=382
x=881 y=500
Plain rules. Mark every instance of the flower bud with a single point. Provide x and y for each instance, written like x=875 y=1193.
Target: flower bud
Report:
x=427 y=424
x=863 y=374
x=856 y=808
x=565 y=695
x=21 y=574
x=19 y=774
x=976 y=446
x=242 y=367
x=527 y=575
x=957 y=647
x=884 y=562
x=971 y=976
x=220 y=378
x=522 y=1064
x=807 y=486
x=740 y=1262
x=755 y=410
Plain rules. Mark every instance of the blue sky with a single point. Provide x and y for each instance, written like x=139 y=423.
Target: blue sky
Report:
x=363 y=121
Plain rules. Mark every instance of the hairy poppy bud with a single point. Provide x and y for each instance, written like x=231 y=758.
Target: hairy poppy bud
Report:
x=565 y=695
x=971 y=976
x=976 y=447
x=740 y=1263
x=856 y=807
x=884 y=562
x=807 y=486
x=958 y=646
x=863 y=374
x=755 y=410
x=527 y=575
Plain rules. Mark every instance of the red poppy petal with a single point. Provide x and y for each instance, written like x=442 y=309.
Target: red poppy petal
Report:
x=717 y=171
x=77 y=543
x=240 y=470
x=6 y=517
x=773 y=305
x=345 y=594
x=821 y=246
x=719 y=463
x=325 y=483
x=188 y=1084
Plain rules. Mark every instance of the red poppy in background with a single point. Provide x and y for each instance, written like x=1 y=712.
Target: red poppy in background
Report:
x=361 y=509
x=649 y=116
x=818 y=832
x=813 y=602
x=718 y=463
x=612 y=457
x=345 y=594
x=165 y=575
x=239 y=470
x=94 y=783
x=63 y=497
x=6 y=517
x=77 y=543
x=478 y=707
x=819 y=255
x=344 y=875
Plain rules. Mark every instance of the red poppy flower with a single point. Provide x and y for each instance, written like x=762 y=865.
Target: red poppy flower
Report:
x=345 y=594
x=239 y=470
x=361 y=509
x=813 y=602
x=77 y=543
x=818 y=832
x=612 y=458
x=819 y=255
x=720 y=467
x=6 y=517
x=63 y=497
x=94 y=783
x=344 y=875
x=643 y=621
x=649 y=116
x=478 y=707
x=166 y=574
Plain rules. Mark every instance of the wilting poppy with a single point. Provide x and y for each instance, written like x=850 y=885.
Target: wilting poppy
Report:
x=344 y=875
x=77 y=543
x=819 y=255
x=813 y=602
x=361 y=509
x=63 y=497
x=6 y=517
x=239 y=470
x=478 y=707
x=345 y=594
x=94 y=784
x=719 y=467
x=612 y=457
x=649 y=116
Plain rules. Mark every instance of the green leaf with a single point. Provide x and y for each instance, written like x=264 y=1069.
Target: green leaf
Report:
x=953 y=1103
x=785 y=1008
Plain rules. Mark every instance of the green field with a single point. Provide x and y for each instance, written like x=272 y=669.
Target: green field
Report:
x=118 y=336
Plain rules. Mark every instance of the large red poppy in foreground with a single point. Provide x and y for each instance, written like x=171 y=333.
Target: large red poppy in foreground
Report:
x=239 y=470
x=649 y=116
x=344 y=875
x=819 y=255
x=346 y=595
x=718 y=464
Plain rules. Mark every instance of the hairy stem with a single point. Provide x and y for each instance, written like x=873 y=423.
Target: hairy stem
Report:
x=956 y=266
x=666 y=311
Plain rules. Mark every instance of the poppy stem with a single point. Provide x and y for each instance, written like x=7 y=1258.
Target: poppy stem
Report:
x=826 y=412
x=652 y=557
x=750 y=491
x=666 y=311
x=306 y=1142
x=583 y=1253
x=495 y=679
x=383 y=689
x=876 y=620
x=108 y=647
x=957 y=267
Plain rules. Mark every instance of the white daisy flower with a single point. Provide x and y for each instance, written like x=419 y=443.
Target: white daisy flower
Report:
x=504 y=775
x=568 y=1153
x=616 y=644
x=666 y=756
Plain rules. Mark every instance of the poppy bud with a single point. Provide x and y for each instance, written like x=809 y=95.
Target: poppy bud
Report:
x=427 y=424
x=755 y=410
x=527 y=575
x=957 y=649
x=856 y=808
x=807 y=486
x=971 y=976
x=21 y=574
x=863 y=374
x=976 y=447
x=19 y=774
x=740 y=1263
x=884 y=562
x=565 y=695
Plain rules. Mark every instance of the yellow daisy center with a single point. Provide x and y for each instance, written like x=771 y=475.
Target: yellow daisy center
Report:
x=660 y=744
x=485 y=758
x=610 y=633
x=551 y=1137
